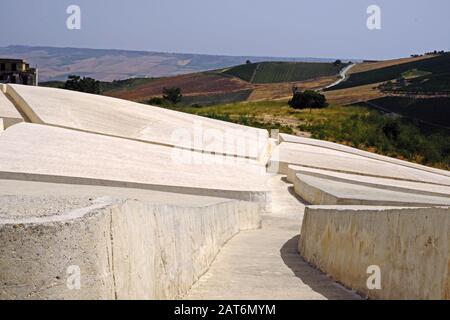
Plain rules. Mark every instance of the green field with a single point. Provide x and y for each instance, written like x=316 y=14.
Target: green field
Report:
x=243 y=71
x=436 y=65
x=277 y=72
x=431 y=110
x=427 y=84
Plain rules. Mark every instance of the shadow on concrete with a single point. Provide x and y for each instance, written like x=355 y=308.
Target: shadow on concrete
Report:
x=293 y=193
x=310 y=276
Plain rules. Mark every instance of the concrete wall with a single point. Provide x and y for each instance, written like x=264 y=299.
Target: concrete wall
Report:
x=125 y=249
x=410 y=245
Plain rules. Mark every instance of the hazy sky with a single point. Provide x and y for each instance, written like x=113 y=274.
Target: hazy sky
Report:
x=294 y=28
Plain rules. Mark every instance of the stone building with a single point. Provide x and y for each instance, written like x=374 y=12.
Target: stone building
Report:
x=17 y=71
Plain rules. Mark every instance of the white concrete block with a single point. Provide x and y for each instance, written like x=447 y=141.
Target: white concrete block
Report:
x=124 y=249
x=121 y=118
x=322 y=191
x=380 y=183
x=411 y=247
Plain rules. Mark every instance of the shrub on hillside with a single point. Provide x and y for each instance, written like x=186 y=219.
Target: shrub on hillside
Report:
x=172 y=94
x=307 y=99
x=156 y=101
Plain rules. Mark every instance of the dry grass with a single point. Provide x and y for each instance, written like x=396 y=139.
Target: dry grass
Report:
x=367 y=66
x=275 y=91
x=190 y=84
x=354 y=95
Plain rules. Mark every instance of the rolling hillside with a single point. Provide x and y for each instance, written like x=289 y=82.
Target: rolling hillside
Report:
x=274 y=80
x=416 y=88
x=108 y=65
x=434 y=65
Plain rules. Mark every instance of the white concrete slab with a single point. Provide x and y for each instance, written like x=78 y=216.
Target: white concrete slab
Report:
x=381 y=183
x=339 y=147
x=320 y=191
x=121 y=118
x=51 y=154
x=286 y=154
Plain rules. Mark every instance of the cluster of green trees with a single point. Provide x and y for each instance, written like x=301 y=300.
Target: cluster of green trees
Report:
x=170 y=97
x=85 y=84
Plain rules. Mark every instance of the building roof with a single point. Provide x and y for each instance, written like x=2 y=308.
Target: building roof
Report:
x=2 y=60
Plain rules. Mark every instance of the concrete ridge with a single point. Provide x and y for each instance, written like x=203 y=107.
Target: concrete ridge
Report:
x=9 y=115
x=252 y=196
x=316 y=157
x=414 y=187
x=98 y=204
x=346 y=149
x=321 y=191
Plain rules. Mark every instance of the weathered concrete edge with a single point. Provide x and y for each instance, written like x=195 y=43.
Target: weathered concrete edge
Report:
x=22 y=105
x=124 y=249
x=411 y=246
x=263 y=198
x=293 y=170
x=315 y=194
x=282 y=167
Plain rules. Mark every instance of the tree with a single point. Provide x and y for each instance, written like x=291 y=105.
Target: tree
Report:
x=337 y=62
x=85 y=84
x=248 y=62
x=172 y=94
x=307 y=99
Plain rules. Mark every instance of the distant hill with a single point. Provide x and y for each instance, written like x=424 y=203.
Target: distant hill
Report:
x=108 y=65
x=416 y=88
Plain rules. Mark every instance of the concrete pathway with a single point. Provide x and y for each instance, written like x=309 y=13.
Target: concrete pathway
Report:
x=264 y=264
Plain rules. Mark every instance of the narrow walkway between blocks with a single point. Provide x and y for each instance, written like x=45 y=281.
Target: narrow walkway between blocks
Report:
x=264 y=264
